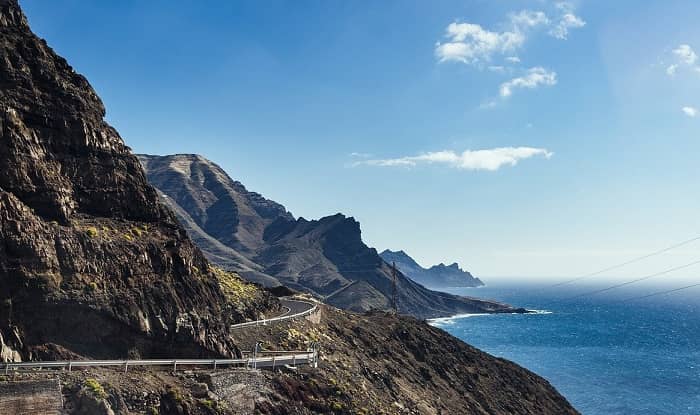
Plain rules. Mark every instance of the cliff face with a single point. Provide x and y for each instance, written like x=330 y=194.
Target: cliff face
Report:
x=437 y=276
x=90 y=260
x=242 y=231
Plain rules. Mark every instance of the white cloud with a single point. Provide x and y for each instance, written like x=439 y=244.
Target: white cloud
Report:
x=671 y=70
x=489 y=159
x=535 y=77
x=566 y=21
x=471 y=43
x=528 y=18
x=691 y=112
x=686 y=54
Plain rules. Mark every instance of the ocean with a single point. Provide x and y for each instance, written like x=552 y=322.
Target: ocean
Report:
x=606 y=356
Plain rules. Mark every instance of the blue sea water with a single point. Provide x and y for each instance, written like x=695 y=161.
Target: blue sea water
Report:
x=606 y=356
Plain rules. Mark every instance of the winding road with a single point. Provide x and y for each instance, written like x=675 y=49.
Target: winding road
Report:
x=295 y=309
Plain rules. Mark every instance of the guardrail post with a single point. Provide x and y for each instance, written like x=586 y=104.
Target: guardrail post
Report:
x=126 y=365
x=294 y=361
x=174 y=365
x=214 y=364
x=273 y=363
x=70 y=365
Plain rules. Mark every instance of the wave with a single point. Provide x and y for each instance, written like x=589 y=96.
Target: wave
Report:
x=447 y=321
x=444 y=321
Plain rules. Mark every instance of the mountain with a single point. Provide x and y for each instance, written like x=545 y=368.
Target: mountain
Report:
x=258 y=238
x=90 y=260
x=437 y=276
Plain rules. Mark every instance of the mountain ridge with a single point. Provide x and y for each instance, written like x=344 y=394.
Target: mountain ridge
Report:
x=437 y=276
x=325 y=257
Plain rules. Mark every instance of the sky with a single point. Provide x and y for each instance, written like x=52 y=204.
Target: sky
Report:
x=519 y=138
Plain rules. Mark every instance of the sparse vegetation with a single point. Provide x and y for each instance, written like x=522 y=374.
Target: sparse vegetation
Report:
x=208 y=403
x=233 y=287
x=92 y=286
x=136 y=231
x=91 y=231
x=95 y=388
x=128 y=237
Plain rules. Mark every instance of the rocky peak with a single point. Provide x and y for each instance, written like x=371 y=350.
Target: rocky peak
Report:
x=11 y=14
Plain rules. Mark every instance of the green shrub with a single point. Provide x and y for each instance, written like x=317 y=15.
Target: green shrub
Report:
x=92 y=286
x=128 y=237
x=91 y=231
x=97 y=390
x=136 y=231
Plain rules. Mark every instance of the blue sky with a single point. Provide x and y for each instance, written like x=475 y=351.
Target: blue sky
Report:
x=519 y=138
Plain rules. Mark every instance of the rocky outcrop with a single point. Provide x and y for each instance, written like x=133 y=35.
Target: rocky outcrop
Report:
x=256 y=237
x=90 y=259
x=437 y=276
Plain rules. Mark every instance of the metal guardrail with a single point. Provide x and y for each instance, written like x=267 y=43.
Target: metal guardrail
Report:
x=300 y=357
x=278 y=358
x=267 y=321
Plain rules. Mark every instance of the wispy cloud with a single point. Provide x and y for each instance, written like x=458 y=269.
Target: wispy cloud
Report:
x=488 y=159
x=566 y=21
x=472 y=44
x=691 y=112
x=526 y=19
x=534 y=78
x=684 y=56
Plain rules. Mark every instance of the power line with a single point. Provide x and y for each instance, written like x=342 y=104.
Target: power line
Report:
x=394 y=290
x=660 y=293
x=631 y=261
x=612 y=287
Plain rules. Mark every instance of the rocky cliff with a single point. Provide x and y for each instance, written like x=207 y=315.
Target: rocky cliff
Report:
x=90 y=260
x=256 y=237
x=437 y=276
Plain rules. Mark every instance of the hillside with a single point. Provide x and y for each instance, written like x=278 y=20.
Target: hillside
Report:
x=90 y=261
x=242 y=231
x=437 y=276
